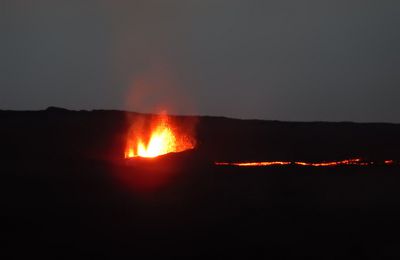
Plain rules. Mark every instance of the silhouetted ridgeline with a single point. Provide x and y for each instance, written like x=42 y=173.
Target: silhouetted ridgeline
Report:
x=65 y=193
x=100 y=134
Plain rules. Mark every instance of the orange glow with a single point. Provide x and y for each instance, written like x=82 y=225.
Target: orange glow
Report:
x=389 y=162
x=252 y=164
x=355 y=162
x=335 y=163
x=162 y=139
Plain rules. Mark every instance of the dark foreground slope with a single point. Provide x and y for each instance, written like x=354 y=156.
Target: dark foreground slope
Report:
x=66 y=192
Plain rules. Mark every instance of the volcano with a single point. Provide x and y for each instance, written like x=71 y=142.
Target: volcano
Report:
x=89 y=184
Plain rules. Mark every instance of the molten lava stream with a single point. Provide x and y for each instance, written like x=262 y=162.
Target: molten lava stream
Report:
x=163 y=139
x=353 y=162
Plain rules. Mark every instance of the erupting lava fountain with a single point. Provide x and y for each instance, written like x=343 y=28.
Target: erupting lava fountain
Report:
x=160 y=137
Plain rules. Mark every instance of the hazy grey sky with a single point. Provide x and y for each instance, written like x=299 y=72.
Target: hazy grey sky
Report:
x=286 y=60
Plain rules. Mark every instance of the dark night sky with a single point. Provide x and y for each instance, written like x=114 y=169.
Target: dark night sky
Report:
x=286 y=60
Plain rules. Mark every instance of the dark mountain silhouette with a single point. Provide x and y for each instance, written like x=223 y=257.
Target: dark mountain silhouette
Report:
x=66 y=190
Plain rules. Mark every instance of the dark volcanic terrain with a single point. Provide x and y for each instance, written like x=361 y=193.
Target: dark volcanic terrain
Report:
x=67 y=192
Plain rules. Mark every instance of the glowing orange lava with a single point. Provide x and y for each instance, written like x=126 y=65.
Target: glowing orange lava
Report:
x=355 y=162
x=251 y=164
x=162 y=139
x=389 y=162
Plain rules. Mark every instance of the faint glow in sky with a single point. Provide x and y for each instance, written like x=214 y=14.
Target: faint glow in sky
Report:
x=286 y=60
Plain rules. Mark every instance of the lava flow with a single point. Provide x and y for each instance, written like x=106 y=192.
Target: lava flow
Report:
x=160 y=138
x=353 y=162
